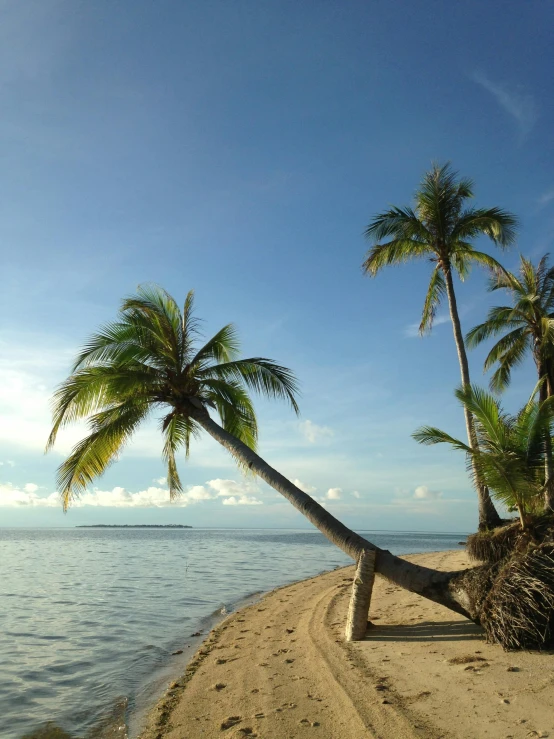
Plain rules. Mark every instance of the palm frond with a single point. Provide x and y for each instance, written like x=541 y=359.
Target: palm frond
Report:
x=161 y=318
x=430 y=435
x=397 y=251
x=435 y=292
x=498 y=224
x=235 y=410
x=510 y=358
x=223 y=347
x=93 y=388
x=510 y=457
x=486 y=411
x=177 y=431
x=90 y=458
x=402 y=223
x=259 y=374
x=499 y=319
x=469 y=254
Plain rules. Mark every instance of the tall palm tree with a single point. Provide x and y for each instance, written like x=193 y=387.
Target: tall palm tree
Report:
x=511 y=448
x=440 y=229
x=528 y=327
x=147 y=361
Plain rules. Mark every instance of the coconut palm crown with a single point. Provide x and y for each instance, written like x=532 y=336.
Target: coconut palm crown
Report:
x=440 y=228
x=146 y=361
x=510 y=453
x=527 y=324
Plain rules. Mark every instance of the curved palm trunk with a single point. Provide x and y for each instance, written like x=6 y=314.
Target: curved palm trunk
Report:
x=439 y=587
x=488 y=515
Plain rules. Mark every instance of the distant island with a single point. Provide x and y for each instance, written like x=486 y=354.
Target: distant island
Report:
x=133 y=526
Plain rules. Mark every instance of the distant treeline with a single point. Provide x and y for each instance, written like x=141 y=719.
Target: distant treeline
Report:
x=134 y=526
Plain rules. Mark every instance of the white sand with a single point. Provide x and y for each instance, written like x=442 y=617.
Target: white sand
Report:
x=280 y=669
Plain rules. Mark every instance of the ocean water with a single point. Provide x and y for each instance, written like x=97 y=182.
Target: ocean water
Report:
x=90 y=618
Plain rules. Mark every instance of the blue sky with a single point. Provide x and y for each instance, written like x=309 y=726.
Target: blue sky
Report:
x=240 y=149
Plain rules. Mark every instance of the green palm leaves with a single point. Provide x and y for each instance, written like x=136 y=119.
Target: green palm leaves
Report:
x=527 y=324
x=149 y=360
x=510 y=453
x=440 y=229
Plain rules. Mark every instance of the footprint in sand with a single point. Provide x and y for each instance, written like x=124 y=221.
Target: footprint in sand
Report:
x=230 y=721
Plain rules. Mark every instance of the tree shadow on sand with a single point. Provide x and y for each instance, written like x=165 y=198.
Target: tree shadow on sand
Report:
x=426 y=631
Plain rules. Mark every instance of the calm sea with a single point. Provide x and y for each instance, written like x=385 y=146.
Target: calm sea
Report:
x=90 y=618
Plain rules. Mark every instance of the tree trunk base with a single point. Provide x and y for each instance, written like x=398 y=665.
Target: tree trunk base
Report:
x=356 y=623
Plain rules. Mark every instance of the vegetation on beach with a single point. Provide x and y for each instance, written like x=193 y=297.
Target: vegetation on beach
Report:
x=528 y=328
x=510 y=450
x=150 y=360
x=440 y=228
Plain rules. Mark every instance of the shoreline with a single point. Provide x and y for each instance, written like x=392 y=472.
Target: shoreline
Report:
x=146 y=723
x=281 y=668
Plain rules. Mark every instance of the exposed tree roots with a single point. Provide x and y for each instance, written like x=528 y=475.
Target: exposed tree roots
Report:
x=513 y=599
x=518 y=611
x=498 y=544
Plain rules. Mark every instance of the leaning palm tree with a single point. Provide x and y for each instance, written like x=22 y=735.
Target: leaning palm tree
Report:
x=527 y=327
x=510 y=452
x=440 y=229
x=148 y=362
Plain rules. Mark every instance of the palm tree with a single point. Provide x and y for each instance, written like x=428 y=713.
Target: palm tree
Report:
x=528 y=326
x=440 y=229
x=147 y=361
x=510 y=452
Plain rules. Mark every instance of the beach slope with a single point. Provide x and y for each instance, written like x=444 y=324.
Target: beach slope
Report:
x=280 y=669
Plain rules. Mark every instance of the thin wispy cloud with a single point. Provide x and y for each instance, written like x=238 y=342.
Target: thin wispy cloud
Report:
x=422 y=492
x=304 y=486
x=546 y=198
x=520 y=106
x=314 y=433
x=412 y=330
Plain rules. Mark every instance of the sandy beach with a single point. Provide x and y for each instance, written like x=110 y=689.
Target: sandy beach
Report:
x=281 y=669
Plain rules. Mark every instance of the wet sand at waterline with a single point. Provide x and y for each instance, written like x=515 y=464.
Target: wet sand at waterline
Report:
x=281 y=669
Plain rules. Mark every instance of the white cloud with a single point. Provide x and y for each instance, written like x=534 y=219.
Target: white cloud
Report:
x=546 y=198
x=356 y=494
x=119 y=497
x=303 y=486
x=519 y=105
x=231 y=487
x=12 y=496
x=198 y=492
x=8 y=462
x=243 y=500
x=333 y=494
x=315 y=433
x=412 y=330
x=423 y=493
x=160 y=480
